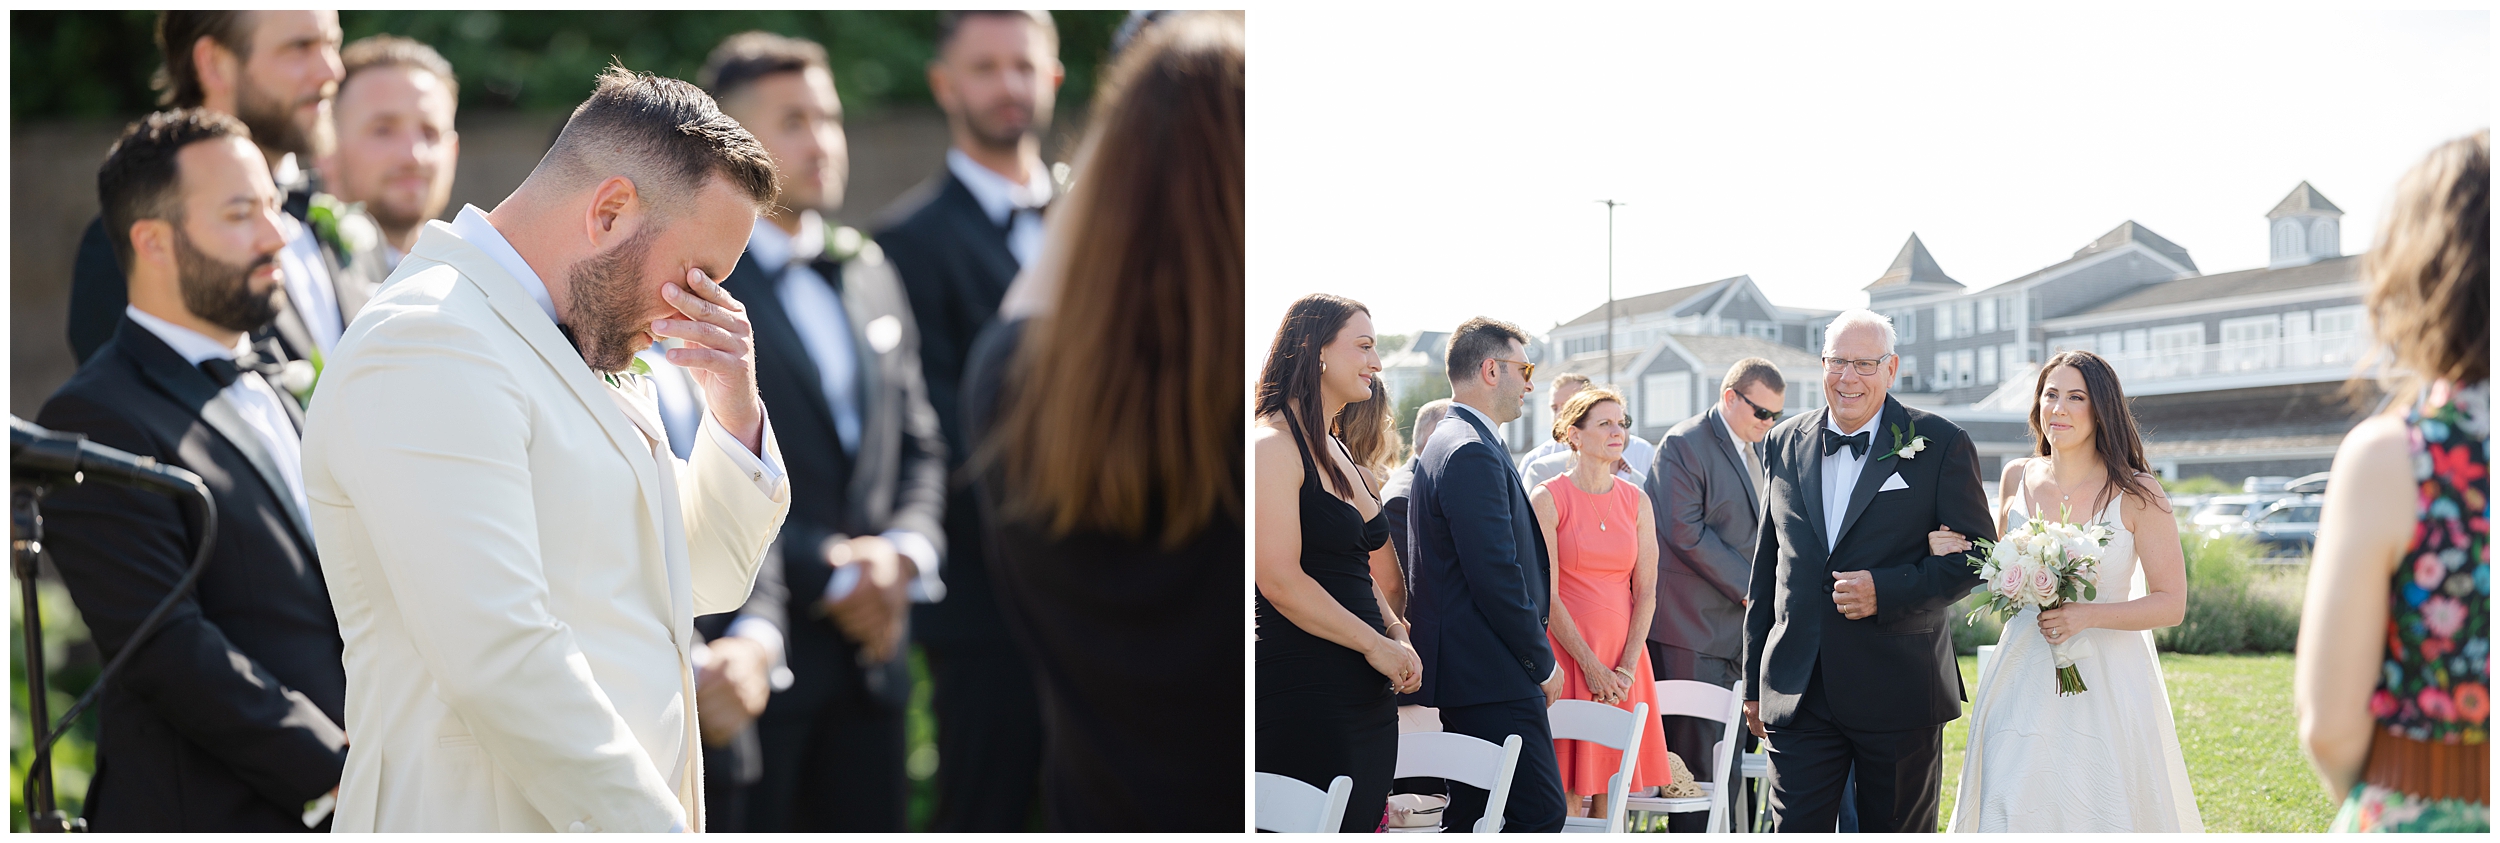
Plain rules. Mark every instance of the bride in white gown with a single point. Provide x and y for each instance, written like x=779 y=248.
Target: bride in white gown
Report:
x=2106 y=759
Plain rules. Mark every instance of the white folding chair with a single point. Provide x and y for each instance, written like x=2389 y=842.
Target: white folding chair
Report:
x=1288 y=804
x=1417 y=718
x=1687 y=698
x=1460 y=758
x=1609 y=727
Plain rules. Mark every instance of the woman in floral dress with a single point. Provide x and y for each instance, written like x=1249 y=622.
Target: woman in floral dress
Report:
x=2393 y=682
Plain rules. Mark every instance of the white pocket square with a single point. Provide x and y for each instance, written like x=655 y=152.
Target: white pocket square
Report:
x=1891 y=483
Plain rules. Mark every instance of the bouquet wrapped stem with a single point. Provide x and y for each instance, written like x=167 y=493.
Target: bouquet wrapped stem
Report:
x=2043 y=565
x=2067 y=653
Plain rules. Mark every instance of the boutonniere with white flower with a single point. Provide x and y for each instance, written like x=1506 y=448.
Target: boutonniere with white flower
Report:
x=344 y=227
x=1905 y=447
x=844 y=244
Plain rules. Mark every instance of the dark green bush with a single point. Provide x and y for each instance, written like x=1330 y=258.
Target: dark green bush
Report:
x=2232 y=606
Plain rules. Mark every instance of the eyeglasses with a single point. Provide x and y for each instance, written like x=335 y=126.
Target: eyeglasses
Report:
x=1526 y=369
x=1758 y=412
x=1833 y=365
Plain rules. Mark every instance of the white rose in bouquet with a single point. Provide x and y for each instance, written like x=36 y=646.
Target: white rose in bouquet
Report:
x=2009 y=580
x=2042 y=589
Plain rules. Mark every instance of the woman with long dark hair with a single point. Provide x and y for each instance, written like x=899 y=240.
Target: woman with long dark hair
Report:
x=2106 y=759
x=1331 y=653
x=1107 y=405
x=2392 y=675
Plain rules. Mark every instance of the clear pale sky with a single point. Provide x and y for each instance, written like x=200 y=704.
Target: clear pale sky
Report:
x=1441 y=165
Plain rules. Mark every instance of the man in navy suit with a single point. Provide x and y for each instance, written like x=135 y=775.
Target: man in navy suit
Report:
x=1477 y=602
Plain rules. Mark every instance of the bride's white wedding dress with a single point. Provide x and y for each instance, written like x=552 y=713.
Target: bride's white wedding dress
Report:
x=2106 y=759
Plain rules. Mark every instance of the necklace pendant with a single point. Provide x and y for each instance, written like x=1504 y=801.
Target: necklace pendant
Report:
x=1601 y=526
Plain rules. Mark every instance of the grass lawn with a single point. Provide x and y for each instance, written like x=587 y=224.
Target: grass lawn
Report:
x=2234 y=715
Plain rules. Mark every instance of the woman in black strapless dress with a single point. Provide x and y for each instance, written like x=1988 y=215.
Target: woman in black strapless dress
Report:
x=1331 y=653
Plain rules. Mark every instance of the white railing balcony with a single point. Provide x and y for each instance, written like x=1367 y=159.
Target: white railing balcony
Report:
x=2271 y=360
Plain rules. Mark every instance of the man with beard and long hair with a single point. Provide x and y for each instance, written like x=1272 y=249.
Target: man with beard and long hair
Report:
x=227 y=718
x=276 y=71
x=516 y=554
x=957 y=240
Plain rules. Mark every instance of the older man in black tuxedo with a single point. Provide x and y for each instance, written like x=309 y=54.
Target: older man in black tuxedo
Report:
x=957 y=240
x=1847 y=655
x=277 y=72
x=227 y=718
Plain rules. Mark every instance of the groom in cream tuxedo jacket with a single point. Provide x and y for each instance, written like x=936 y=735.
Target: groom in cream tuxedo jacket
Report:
x=514 y=553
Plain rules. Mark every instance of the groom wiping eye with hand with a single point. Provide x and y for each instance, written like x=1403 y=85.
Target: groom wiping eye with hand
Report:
x=1848 y=659
x=514 y=552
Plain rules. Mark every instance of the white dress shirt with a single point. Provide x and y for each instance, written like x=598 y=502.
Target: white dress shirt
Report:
x=816 y=311
x=252 y=397
x=1000 y=197
x=472 y=227
x=1840 y=475
x=308 y=287
x=824 y=328
x=1744 y=449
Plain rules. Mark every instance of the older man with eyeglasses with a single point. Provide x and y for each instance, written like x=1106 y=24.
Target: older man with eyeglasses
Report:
x=1705 y=491
x=1848 y=659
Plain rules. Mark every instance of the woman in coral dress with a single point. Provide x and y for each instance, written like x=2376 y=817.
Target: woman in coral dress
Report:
x=1605 y=549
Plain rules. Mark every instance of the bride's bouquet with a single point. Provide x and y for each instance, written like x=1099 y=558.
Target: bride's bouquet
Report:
x=2043 y=565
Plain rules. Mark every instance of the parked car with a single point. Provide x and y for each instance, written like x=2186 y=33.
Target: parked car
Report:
x=2288 y=528
x=2307 y=484
x=2224 y=513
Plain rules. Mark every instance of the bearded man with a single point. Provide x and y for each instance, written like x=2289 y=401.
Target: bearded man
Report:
x=277 y=72
x=227 y=718
x=515 y=553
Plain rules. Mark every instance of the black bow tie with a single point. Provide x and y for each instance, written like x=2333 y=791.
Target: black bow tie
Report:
x=225 y=371
x=1857 y=442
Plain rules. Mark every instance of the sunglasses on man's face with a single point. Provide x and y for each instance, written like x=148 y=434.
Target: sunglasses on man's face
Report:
x=1526 y=369
x=1758 y=412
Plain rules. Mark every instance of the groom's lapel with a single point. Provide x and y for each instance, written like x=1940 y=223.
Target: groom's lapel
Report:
x=1877 y=467
x=1806 y=458
x=521 y=313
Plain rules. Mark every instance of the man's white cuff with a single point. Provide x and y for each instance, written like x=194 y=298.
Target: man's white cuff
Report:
x=766 y=471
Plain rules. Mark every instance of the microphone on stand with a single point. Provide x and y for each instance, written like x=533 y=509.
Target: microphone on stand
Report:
x=40 y=458
x=69 y=456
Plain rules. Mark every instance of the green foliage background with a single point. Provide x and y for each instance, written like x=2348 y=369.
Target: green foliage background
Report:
x=96 y=64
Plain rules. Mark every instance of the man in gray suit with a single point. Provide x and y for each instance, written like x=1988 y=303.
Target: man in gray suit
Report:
x=1705 y=488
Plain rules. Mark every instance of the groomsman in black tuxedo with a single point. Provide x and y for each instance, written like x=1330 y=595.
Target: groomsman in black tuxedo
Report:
x=228 y=718
x=957 y=240
x=277 y=72
x=838 y=364
x=1847 y=656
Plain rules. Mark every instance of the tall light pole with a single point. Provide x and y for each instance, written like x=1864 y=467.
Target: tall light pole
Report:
x=1610 y=285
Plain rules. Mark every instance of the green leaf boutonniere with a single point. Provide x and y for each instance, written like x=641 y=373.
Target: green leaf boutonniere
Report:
x=342 y=227
x=844 y=244
x=623 y=380
x=1905 y=447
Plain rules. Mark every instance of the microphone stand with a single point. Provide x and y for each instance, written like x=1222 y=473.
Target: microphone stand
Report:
x=26 y=525
x=26 y=488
